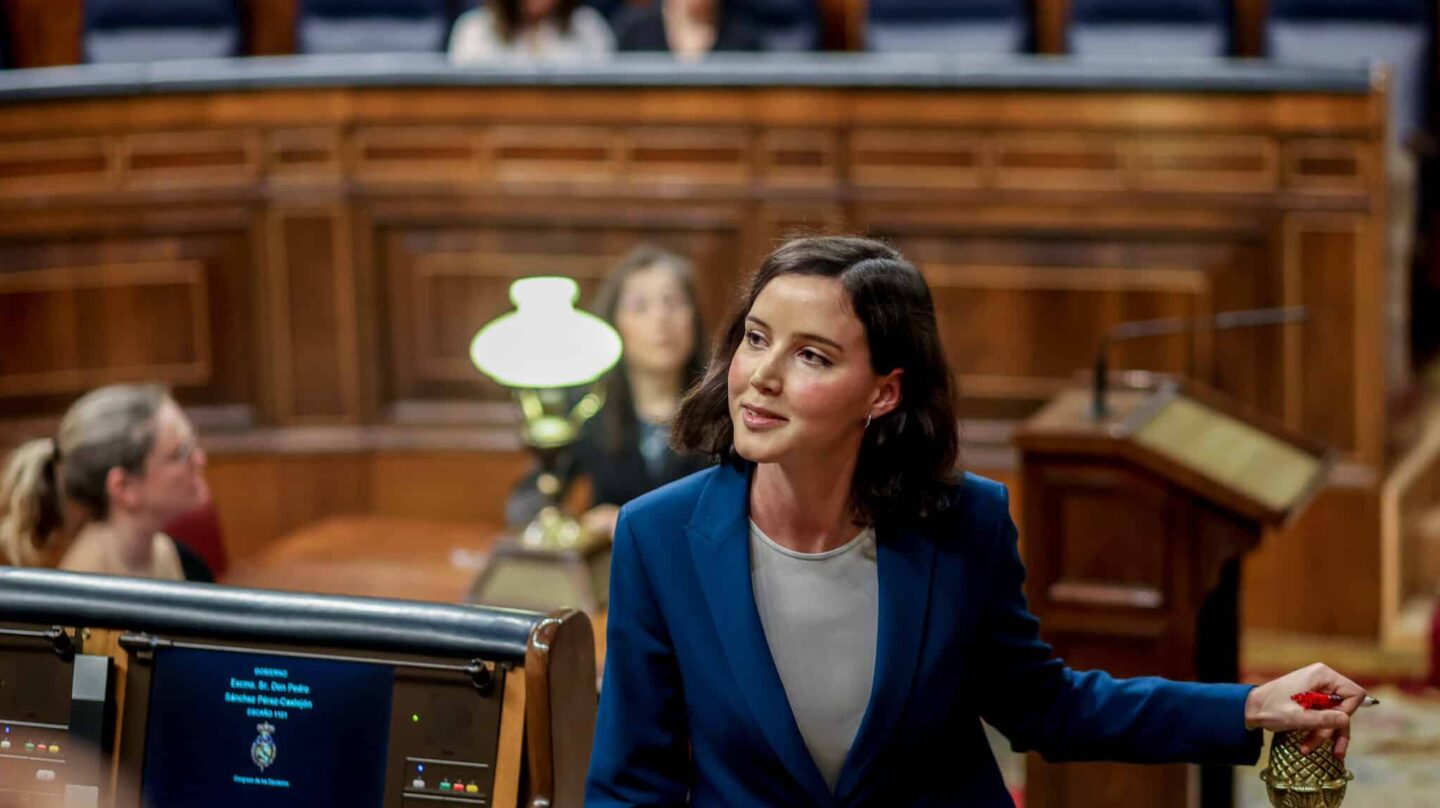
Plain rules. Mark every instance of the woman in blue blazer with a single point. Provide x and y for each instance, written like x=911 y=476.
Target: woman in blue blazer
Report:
x=823 y=618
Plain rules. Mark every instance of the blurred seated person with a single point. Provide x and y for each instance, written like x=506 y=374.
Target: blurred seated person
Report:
x=624 y=451
x=530 y=29
x=687 y=28
x=94 y=497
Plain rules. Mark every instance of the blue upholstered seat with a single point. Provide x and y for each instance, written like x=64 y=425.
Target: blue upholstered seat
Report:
x=1150 y=28
x=786 y=25
x=1346 y=32
x=151 y=30
x=373 y=26
x=948 y=26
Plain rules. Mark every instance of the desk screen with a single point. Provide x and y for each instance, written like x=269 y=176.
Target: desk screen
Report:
x=245 y=730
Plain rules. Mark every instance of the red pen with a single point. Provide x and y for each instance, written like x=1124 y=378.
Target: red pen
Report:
x=1311 y=700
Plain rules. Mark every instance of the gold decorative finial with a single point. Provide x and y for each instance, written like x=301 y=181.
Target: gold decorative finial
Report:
x=1294 y=780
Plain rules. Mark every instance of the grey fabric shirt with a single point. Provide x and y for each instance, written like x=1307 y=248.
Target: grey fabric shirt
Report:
x=820 y=613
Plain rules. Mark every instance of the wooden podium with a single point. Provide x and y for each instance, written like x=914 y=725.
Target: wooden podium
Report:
x=1132 y=533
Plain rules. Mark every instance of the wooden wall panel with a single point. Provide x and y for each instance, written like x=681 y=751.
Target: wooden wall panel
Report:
x=1004 y=293
x=1320 y=575
x=312 y=300
x=45 y=33
x=352 y=240
x=441 y=283
x=91 y=311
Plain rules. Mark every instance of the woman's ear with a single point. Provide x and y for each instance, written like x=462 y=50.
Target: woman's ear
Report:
x=887 y=393
x=119 y=488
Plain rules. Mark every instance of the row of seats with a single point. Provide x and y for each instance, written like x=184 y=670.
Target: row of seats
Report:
x=1332 y=32
x=130 y=29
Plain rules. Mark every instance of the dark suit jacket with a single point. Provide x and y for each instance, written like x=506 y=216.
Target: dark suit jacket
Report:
x=643 y=29
x=692 y=710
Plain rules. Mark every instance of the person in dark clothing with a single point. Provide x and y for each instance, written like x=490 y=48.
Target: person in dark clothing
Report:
x=624 y=450
x=690 y=29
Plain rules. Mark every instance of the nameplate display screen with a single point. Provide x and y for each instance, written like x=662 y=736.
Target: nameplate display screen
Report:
x=246 y=730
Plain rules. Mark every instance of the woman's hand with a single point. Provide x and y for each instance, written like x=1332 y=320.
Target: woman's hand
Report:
x=600 y=520
x=1269 y=707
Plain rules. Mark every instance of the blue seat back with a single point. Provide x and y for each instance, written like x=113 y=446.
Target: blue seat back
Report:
x=1150 y=28
x=949 y=26
x=785 y=25
x=372 y=26
x=1350 y=32
x=152 y=30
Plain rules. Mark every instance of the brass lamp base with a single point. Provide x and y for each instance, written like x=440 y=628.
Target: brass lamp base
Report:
x=522 y=574
x=1293 y=780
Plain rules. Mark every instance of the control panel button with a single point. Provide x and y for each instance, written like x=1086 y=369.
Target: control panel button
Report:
x=417 y=783
x=4 y=745
x=29 y=746
x=54 y=749
x=472 y=789
x=45 y=776
x=458 y=787
x=444 y=785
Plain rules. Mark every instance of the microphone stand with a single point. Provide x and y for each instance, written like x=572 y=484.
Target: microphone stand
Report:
x=1223 y=321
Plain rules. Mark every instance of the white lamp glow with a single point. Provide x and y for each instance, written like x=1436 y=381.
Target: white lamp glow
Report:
x=545 y=342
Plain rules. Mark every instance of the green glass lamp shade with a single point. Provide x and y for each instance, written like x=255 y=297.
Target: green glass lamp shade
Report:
x=545 y=342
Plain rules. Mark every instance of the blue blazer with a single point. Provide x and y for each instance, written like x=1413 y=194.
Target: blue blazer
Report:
x=692 y=710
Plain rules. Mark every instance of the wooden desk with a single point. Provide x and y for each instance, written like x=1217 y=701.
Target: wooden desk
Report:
x=374 y=556
x=381 y=557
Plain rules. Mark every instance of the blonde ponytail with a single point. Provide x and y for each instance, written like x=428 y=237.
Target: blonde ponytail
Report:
x=31 y=515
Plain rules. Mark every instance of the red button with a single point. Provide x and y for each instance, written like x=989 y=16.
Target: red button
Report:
x=458 y=787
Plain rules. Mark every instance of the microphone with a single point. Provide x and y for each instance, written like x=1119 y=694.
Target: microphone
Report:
x=1223 y=321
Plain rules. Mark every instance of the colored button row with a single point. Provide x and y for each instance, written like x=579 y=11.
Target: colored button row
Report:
x=31 y=746
x=446 y=785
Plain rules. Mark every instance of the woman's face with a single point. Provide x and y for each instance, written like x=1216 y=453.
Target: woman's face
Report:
x=537 y=10
x=800 y=381
x=695 y=9
x=173 y=481
x=656 y=320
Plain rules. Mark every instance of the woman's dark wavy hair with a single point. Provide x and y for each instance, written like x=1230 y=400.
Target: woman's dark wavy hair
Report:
x=508 y=16
x=907 y=465
x=619 y=424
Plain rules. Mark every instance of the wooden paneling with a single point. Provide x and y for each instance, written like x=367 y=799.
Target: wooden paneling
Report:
x=312 y=299
x=349 y=241
x=89 y=326
x=440 y=284
x=82 y=312
x=45 y=33
x=261 y=497
x=270 y=26
x=1335 y=541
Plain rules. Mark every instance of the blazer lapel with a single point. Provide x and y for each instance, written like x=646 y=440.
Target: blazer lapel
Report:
x=719 y=534
x=905 y=562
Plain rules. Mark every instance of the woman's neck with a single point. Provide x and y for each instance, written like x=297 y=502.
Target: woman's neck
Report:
x=654 y=394
x=806 y=508
x=125 y=545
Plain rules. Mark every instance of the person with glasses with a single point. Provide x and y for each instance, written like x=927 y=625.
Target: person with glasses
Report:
x=95 y=497
x=624 y=450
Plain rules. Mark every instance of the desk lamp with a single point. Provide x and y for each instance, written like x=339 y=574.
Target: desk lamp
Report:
x=541 y=350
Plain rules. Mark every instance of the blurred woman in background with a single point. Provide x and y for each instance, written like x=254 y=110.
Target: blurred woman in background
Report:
x=690 y=29
x=94 y=497
x=530 y=29
x=624 y=450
